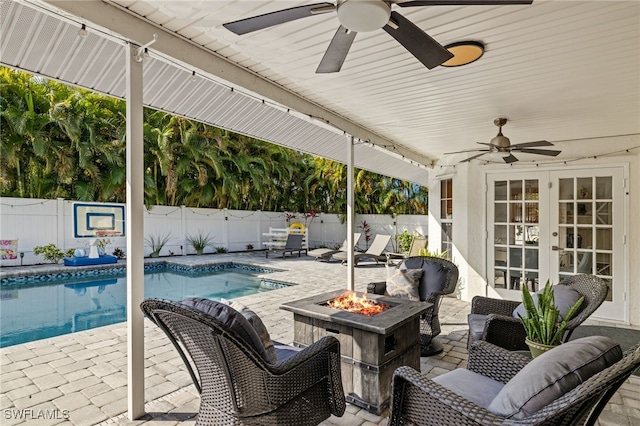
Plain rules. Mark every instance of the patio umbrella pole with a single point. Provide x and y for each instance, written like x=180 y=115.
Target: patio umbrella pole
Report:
x=350 y=214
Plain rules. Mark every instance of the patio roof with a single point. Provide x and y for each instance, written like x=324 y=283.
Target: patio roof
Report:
x=558 y=70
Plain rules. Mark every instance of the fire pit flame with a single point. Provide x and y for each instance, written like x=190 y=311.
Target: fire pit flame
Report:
x=351 y=302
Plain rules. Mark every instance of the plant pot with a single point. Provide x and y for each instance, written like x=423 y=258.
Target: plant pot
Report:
x=538 y=348
x=200 y=251
x=154 y=254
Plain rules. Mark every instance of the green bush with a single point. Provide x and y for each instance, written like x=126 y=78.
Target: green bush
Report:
x=52 y=253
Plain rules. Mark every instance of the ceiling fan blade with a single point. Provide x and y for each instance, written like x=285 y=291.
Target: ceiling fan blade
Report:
x=484 y=143
x=531 y=144
x=548 y=152
x=255 y=23
x=417 y=42
x=510 y=159
x=472 y=157
x=337 y=51
x=468 y=150
x=411 y=3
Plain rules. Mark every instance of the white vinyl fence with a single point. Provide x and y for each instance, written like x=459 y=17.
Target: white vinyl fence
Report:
x=38 y=222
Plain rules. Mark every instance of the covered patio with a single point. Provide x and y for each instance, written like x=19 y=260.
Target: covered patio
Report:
x=83 y=375
x=565 y=72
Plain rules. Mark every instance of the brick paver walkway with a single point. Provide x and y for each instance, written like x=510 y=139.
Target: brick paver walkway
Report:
x=80 y=379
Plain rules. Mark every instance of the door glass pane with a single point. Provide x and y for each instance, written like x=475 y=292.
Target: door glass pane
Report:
x=603 y=264
x=500 y=212
x=585 y=239
x=531 y=235
x=532 y=281
x=566 y=261
x=585 y=213
x=500 y=189
x=604 y=238
x=566 y=189
x=604 y=188
x=500 y=234
x=515 y=187
x=604 y=213
x=565 y=213
x=531 y=212
x=531 y=259
x=515 y=257
x=585 y=263
x=531 y=189
x=585 y=192
x=516 y=212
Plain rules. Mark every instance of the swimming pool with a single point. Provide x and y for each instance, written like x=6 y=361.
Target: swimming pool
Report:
x=33 y=310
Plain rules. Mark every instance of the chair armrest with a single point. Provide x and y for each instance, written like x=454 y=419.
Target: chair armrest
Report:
x=495 y=362
x=419 y=400
x=506 y=332
x=317 y=362
x=487 y=305
x=377 y=288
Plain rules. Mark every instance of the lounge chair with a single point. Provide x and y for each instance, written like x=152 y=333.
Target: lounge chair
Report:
x=292 y=245
x=375 y=252
x=414 y=250
x=326 y=253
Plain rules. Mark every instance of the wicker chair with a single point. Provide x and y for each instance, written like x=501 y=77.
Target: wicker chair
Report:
x=492 y=319
x=417 y=400
x=237 y=386
x=439 y=278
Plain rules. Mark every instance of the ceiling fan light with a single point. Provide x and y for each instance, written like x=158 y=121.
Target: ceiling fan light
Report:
x=501 y=141
x=464 y=52
x=363 y=15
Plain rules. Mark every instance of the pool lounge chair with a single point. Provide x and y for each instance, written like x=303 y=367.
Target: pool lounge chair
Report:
x=375 y=252
x=326 y=253
x=414 y=250
x=292 y=245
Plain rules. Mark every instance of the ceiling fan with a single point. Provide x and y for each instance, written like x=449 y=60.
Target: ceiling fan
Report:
x=362 y=16
x=501 y=144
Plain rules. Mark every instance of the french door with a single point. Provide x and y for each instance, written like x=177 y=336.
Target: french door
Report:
x=553 y=224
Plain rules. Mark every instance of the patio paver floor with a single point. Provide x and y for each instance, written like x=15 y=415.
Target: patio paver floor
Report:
x=80 y=378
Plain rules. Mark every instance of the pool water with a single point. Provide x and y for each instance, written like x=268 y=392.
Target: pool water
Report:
x=70 y=305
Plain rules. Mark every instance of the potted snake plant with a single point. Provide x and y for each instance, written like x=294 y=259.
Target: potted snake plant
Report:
x=543 y=324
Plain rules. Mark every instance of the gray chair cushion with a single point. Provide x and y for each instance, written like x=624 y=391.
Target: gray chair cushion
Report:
x=434 y=275
x=554 y=373
x=258 y=326
x=403 y=283
x=564 y=296
x=474 y=387
x=231 y=318
x=284 y=352
x=476 y=325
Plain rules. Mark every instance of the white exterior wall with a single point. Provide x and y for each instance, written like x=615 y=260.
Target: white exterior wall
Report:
x=470 y=218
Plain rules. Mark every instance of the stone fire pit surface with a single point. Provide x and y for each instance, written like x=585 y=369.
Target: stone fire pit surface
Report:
x=401 y=311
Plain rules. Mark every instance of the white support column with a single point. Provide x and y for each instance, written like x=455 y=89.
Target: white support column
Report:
x=135 y=237
x=350 y=215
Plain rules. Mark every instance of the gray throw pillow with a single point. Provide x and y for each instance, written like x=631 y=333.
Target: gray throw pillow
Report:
x=554 y=373
x=403 y=283
x=564 y=296
x=232 y=319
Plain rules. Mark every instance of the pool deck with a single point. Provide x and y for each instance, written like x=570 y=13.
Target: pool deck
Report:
x=80 y=378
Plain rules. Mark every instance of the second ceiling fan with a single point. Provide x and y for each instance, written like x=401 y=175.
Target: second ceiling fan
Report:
x=502 y=146
x=363 y=16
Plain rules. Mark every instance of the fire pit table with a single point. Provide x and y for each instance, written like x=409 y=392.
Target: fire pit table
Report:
x=372 y=346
